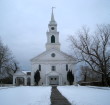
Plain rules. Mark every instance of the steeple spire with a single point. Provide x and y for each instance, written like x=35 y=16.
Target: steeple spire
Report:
x=52 y=16
x=52 y=21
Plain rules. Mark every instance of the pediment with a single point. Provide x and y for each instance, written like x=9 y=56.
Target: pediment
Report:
x=53 y=73
x=19 y=73
x=52 y=55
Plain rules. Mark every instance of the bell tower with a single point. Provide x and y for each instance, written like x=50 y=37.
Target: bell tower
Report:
x=52 y=34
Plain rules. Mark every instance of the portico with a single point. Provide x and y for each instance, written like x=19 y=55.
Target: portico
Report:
x=53 y=78
x=21 y=78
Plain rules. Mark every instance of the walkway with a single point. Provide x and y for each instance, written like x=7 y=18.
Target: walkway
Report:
x=57 y=98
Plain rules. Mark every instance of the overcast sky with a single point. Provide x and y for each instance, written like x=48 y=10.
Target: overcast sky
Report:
x=23 y=23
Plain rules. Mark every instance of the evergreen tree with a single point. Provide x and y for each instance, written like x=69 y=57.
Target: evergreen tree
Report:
x=70 y=77
x=37 y=77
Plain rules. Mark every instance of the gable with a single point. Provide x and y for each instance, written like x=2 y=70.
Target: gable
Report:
x=52 y=55
x=19 y=73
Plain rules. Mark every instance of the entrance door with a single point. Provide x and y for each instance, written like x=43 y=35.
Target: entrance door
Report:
x=19 y=81
x=54 y=80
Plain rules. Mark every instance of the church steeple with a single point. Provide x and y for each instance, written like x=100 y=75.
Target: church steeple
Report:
x=52 y=34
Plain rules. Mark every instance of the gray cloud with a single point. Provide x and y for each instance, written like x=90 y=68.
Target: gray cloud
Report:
x=23 y=23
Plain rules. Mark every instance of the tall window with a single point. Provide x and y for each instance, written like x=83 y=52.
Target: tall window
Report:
x=52 y=39
x=39 y=67
x=53 y=68
x=66 y=67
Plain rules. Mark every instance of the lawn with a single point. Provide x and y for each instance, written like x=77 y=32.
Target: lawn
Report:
x=82 y=95
x=40 y=95
x=25 y=95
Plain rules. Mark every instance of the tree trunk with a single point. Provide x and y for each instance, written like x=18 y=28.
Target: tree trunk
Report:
x=102 y=80
x=71 y=83
x=105 y=81
x=37 y=83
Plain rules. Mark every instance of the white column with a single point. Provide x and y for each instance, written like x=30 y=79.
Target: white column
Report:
x=32 y=73
x=46 y=80
x=25 y=81
x=14 y=80
x=32 y=78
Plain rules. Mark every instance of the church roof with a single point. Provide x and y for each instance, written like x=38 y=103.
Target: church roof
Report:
x=27 y=72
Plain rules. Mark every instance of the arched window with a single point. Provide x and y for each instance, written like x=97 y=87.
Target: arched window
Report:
x=52 y=39
x=39 y=67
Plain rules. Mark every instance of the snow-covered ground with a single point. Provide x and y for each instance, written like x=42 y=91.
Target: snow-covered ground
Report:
x=82 y=95
x=25 y=95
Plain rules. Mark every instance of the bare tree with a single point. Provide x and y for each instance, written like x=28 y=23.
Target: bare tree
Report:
x=8 y=65
x=12 y=67
x=94 y=50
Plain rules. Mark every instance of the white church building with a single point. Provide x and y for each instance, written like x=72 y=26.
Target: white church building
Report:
x=53 y=64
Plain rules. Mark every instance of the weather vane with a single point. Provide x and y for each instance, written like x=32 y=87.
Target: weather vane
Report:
x=53 y=8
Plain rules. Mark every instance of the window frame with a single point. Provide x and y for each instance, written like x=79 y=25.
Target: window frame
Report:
x=53 y=68
x=39 y=67
x=52 y=39
x=66 y=67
